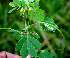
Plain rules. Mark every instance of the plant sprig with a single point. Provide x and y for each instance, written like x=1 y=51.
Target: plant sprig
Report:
x=28 y=43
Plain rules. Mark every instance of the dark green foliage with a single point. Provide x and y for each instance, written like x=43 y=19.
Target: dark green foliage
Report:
x=46 y=54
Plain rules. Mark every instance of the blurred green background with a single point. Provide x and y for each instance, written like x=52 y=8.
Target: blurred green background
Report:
x=59 y=10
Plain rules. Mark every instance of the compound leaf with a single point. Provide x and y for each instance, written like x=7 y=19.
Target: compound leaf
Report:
x=27 y=45
x=49 y=23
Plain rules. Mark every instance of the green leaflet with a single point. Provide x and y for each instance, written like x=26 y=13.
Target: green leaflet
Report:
x=20 y=43
x=35 y=8
x=24 y=52
x=50 y=20
x=51 y=55
x=31 y=14
x=35 y=35
x=39 y=11
x=12 y=10
x=39 y=15
x=23 y=3
x=43 y=55
x=18 y=37
x=46 y=54
x=35 y=42
x=31 y=49
x=17 y=2
x=12 y=4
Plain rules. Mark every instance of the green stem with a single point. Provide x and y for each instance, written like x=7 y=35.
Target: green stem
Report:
x=5 y=28
x=31 y=25
x=25 y=25
x=10 y=29
x=27 y=31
